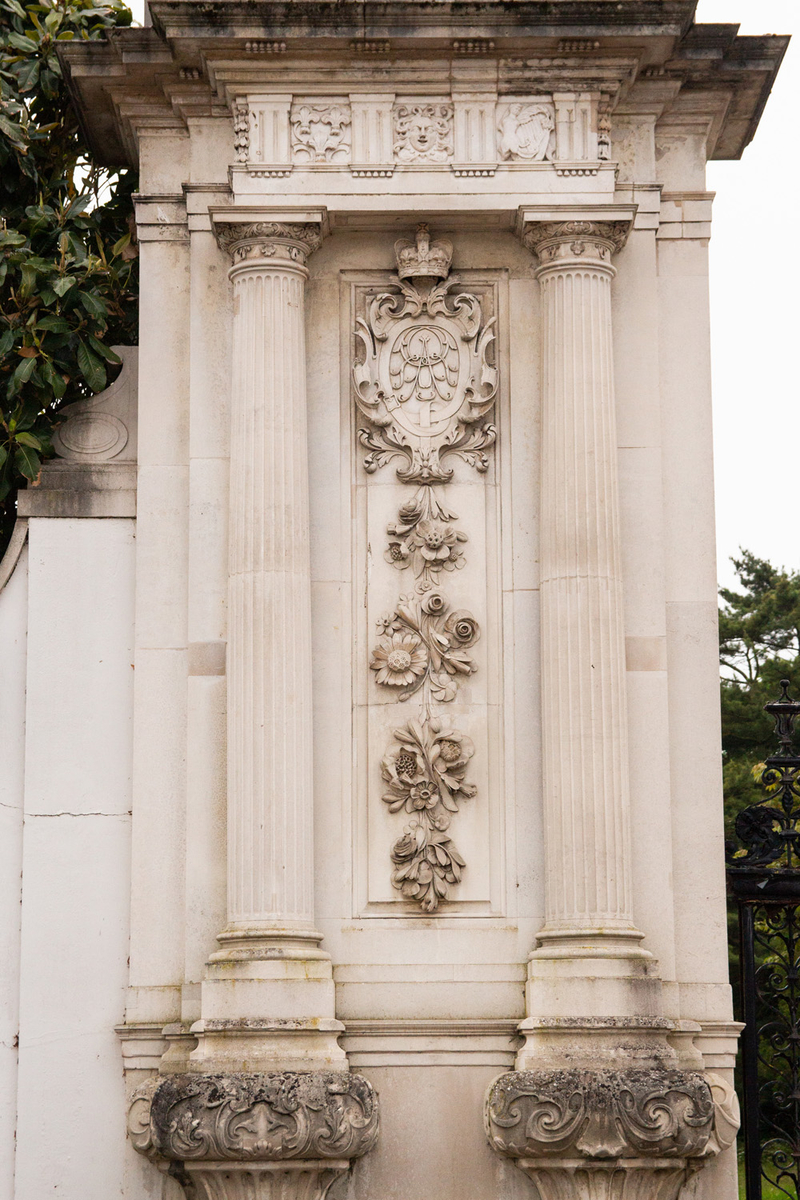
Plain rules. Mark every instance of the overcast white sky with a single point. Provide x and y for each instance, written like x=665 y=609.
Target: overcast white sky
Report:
x=755 y=311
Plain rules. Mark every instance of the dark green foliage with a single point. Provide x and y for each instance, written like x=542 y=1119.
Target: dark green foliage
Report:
x=68 y=280
x=759 y=633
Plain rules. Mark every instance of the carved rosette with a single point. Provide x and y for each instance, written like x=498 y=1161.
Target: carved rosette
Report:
x=615 y=1135
x=255 y=1137
x=266 y=240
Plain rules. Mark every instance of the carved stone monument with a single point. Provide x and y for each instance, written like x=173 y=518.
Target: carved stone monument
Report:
x=383 y=779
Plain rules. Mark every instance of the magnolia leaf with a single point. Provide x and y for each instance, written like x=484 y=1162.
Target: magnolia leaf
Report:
x=93 y=304
x=24 y=371
x=78 y=205
x=105 y=351
x=61 y=286
x=6 y=341
x=27 y=462
x=28 y=439
x=91 y=368
x=53 y=324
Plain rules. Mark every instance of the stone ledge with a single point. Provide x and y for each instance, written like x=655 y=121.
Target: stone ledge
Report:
x=69 y=489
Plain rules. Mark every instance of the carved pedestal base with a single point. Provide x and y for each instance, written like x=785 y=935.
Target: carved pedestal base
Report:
x=636 y=1134
x=242 y=1136
x=308 y=1180
x=615 y=1179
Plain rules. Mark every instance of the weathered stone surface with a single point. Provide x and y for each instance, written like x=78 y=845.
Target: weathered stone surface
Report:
x=265 y=1118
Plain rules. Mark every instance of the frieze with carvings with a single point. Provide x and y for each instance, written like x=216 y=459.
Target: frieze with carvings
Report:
x=423 y=133
x=320 y=133
x=426 y=381
x=247 y=1117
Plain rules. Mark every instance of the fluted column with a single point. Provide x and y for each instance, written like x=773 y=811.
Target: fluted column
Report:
x=270 y=798
x=585 y=752
x=267 y=999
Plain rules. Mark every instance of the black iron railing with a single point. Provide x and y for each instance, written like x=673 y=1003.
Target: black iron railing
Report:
x=763 y=871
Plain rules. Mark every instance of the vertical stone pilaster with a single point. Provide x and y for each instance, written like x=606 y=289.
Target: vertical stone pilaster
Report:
x=270 y=855
x=588 y=883
x=269 y=975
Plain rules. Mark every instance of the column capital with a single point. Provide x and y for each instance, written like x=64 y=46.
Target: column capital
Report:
x=555 y=243
x=269 y=240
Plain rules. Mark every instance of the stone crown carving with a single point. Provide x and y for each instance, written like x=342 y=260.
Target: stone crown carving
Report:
x=249 y=1118
x=422 y=257
x=600 y=1114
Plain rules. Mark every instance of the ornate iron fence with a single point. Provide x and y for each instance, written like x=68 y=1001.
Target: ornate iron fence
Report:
x=763 y=870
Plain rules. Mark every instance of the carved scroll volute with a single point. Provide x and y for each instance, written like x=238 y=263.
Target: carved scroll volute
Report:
x=426 y=380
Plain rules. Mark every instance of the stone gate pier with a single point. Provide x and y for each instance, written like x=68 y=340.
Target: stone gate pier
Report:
x=369 y=623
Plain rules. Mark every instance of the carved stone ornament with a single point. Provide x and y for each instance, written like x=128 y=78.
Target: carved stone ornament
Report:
x=527 y=131
x=422 y=257
x=423 y=133
x=320 y=133
x=615 y=1135
x=425 y=379
x=287 y=1135
x=425 y=383
x=269 y=239
x=552 y=240
x=241 y=130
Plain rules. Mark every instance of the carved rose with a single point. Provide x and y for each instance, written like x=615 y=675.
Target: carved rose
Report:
x=434 y=604
x=462 y=628
x=399 y=660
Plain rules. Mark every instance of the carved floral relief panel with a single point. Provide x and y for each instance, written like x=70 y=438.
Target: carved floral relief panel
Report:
x=424 y=389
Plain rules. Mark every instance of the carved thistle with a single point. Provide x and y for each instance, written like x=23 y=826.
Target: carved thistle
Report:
x=425 y=381
x=254 y=1118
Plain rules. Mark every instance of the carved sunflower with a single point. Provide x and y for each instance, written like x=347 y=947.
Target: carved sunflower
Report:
x=399 y=660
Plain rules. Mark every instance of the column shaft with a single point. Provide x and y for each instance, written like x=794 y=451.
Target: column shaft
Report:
x=586 y=805
x=270 y=800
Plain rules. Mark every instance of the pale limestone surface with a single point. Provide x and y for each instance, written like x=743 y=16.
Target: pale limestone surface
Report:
x=562 y=182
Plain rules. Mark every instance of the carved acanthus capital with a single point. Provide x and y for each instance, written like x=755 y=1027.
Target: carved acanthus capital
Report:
x=254 y=1118
x=555 y=241
x=269 y=240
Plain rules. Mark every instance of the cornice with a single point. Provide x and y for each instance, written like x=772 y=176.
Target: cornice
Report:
x=640 y=54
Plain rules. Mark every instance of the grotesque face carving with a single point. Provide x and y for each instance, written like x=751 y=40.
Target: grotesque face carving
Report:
x=422 y=132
